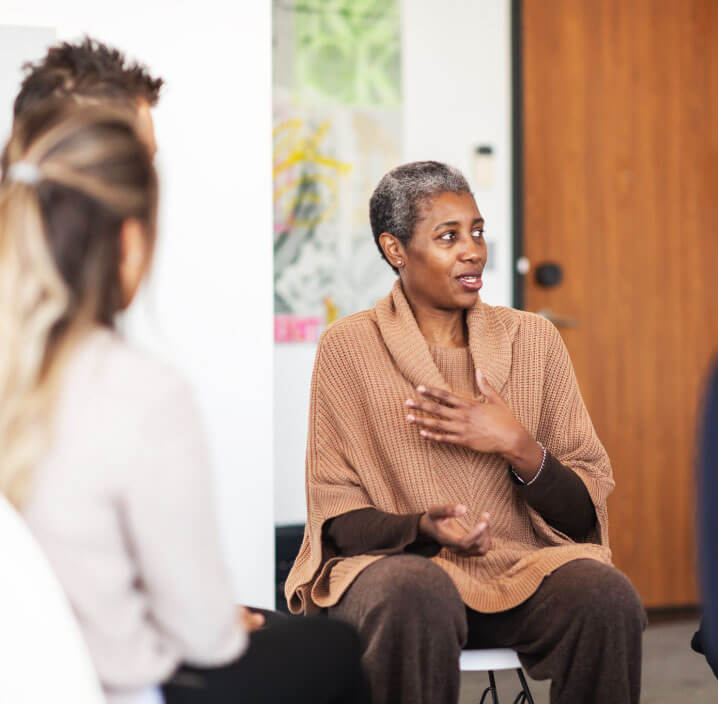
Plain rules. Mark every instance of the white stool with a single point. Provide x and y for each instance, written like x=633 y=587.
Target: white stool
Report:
x=493 y=659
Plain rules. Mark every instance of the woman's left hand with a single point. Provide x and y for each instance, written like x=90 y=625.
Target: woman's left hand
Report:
x=485 y=424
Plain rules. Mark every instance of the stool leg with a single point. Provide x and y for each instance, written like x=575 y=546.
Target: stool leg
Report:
x=491 y=688
x=524 y=697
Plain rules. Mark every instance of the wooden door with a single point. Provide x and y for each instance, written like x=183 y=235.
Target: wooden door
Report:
x=620 y=179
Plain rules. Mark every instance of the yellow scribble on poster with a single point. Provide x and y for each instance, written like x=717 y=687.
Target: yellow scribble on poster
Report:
x=296 y=147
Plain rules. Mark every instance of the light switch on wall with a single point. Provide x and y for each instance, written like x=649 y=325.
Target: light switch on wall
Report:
x=484 y=166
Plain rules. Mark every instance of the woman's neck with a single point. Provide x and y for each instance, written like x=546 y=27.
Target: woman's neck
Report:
x=442 y=328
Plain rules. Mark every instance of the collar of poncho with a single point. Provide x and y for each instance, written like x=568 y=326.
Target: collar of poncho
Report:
x=489 y=342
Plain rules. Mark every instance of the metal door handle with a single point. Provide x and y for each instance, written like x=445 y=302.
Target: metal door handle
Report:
x=560 y=321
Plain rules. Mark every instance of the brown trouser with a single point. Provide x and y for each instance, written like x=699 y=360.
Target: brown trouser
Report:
x=582 y=629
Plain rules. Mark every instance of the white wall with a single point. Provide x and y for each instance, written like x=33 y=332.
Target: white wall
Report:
x=16 y=45
x=456 y=71
x=209 y=304
x=457 y=95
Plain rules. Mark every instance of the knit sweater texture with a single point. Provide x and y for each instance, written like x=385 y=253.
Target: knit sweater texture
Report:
x=362 y=452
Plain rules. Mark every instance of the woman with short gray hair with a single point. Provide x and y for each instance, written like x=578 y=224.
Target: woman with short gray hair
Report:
x=456 y=488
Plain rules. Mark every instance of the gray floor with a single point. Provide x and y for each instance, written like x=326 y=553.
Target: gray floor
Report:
x=672 y=672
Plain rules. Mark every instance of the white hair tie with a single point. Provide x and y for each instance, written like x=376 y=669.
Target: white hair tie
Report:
x=24 y=172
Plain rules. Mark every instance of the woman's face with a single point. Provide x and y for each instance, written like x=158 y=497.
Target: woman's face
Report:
x=445 y=258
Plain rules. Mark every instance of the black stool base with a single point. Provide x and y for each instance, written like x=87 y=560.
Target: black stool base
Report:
x=523 y=697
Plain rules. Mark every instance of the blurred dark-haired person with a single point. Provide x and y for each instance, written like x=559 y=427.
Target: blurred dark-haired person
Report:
x=102 y=446
x=705 y=641
x=90 y=72
x=456 y=486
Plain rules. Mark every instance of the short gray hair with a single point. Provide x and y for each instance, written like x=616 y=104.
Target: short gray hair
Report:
x=395 y=205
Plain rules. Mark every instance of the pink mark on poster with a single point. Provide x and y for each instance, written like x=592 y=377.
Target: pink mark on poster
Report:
x=296 y=328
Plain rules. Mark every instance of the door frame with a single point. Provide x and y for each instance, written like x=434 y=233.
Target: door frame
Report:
x=517 y=148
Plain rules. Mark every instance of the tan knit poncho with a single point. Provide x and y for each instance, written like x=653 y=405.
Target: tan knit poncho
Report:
x=362 y=452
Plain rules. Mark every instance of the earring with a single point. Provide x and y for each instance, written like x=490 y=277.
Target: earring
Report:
x=399 y=262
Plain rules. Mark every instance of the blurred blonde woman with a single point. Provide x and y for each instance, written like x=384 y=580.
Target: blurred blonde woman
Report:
x=102 y=449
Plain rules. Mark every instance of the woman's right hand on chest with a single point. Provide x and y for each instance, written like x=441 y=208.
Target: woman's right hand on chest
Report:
x=439 y=523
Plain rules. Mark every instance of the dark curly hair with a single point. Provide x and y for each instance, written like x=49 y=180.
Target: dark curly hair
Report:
x=395 y=205
x=88 y=71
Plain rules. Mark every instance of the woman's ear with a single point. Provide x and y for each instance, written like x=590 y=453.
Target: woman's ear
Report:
x=134 y=258
x=393 y=249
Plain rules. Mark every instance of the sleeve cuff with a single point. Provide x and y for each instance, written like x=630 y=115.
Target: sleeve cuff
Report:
x=422 y=544
x=374 y=532
x=560 y=496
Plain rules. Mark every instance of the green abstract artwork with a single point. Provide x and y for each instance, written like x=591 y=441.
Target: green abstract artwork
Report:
x=337 y=130
x=349 y=52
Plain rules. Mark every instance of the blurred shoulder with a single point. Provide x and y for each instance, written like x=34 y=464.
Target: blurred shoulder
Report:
x=108 y=370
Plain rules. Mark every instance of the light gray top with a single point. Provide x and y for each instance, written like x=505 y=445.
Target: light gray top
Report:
x=122 y=506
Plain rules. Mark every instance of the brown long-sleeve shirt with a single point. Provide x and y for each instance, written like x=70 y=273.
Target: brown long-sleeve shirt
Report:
x=558 y=494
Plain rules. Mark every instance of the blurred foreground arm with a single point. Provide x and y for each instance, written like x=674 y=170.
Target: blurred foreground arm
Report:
x=173 y=531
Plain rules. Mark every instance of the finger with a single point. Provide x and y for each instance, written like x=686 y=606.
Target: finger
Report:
x=474 y=535
x=480 y=547
x=471 y=539
x=433 y=424
x=256 y=621
x=484 y=543
x=440 y=437
x=250 y=620
x=445 y=397
x=434 y=408
x=446 y=511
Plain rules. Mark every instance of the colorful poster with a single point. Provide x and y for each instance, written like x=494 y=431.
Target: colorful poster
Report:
x=337 y=131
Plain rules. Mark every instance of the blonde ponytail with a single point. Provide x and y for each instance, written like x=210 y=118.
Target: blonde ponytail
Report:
x=33 y=298
x=41 y=312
